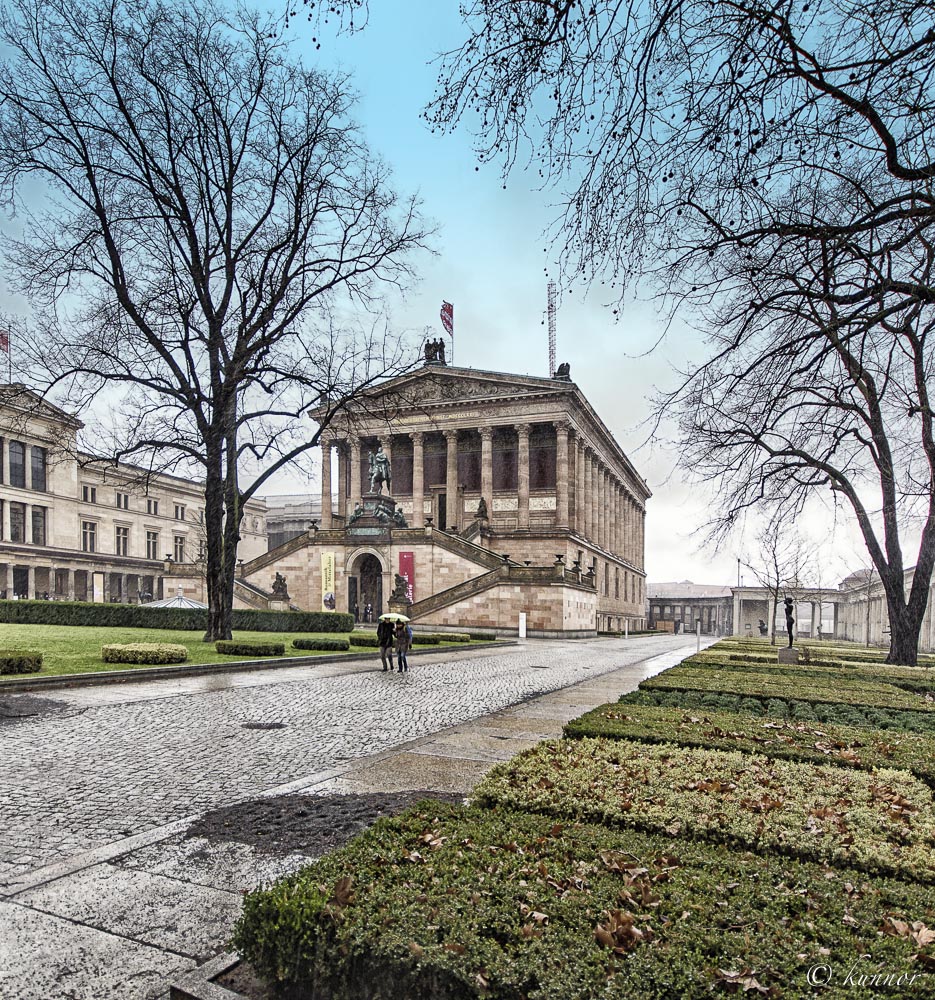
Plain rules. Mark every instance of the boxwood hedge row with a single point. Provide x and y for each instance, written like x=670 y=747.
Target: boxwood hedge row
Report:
x=186 y=619
x=144 y=652
x=336 y=645
x=238 y=647
x=457 y=904
x=20 y=661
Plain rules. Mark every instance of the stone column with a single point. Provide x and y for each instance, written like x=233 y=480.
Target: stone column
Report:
x=70 y=584
x=641 y=538
x=615 y=517
x=451 y=480
x=606 y=510
x=418 y=481
x=125 y=588
x=386 y=443
x=522 y=474
x=595 y=499
x=561 y=474
x=486 y=467
x=9 y=580
x=355 y=489
x=27 y=526
x=342 y=480
x=6 y=521
x=30 y=582
x=326 y=511
x=579 y=485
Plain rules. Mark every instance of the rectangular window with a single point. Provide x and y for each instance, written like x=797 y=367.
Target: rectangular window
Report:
x=152 y=544
x=122 y=540
x=38 y=468
x=89 y=493
x=38 y=525
x=17 y=464
x=178 y=548
x=617 y=583
x=202 y=552
x=152 y=506
x=88 y=536
x=17 y=522
x=180 y=512
x=123 y=500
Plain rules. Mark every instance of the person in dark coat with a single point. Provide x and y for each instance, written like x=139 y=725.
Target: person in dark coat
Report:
x=385 y=639
x=403 y=642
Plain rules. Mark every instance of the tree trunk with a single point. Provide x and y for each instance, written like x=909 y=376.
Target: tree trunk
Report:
x=905 y=626
x=219 y=570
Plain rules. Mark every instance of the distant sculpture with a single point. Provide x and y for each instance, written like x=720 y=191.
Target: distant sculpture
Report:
x=563 y=370
x=763 y=627
x=400 y=589
x=430 y=351
x=279 y=586
x=399 y=518
x=435 y=351
x=481 y=514
x=356 y=513
x=790 y=620
x=380 y=472
x=441 y=351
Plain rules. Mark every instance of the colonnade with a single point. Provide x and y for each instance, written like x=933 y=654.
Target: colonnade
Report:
x=590 y=498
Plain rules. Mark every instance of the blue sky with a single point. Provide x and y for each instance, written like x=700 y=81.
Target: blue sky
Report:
x=490 y=264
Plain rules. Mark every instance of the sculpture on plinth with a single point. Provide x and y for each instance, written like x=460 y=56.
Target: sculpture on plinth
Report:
x=279 y=587
x=481 y=514
x=790 y=620
x=380 y=471
x=400 y=588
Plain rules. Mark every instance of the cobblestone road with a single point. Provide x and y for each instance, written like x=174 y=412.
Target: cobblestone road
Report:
x=120 y=760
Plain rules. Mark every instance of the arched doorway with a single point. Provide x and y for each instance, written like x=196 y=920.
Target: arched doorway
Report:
x=369 y=574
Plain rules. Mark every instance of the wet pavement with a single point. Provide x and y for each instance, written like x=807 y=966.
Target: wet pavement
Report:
x=101 y=894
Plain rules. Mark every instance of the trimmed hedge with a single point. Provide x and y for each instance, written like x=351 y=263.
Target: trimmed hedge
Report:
x=187 y=619
x=20 y=661
x=424 y=639
x=482 y=636
x=871 y=716
x=461 y=904
x=330 y=644
x=846 y=746
x=363 y=639
x=880 y=822
x=236 y=647
x=144 y=652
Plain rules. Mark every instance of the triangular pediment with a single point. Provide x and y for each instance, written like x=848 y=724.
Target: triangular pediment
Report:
x=442 y=384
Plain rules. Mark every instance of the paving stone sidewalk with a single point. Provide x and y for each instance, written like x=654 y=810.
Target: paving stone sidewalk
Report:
x=102 y=896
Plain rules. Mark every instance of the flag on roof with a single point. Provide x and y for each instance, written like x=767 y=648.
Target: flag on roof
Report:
x=448 y=318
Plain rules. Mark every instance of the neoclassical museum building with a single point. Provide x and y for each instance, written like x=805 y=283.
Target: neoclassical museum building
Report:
x=508 y=500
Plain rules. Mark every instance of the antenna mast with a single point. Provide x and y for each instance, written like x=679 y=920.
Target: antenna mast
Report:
x=551 y=312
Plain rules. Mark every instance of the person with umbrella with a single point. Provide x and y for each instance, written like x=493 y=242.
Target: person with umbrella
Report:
x=385 y=638
x=402 y=634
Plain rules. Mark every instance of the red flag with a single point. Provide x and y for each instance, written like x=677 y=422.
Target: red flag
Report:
x=448 y=318
x=4 y=342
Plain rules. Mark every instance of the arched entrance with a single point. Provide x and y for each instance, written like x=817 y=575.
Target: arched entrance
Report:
x=368 y=575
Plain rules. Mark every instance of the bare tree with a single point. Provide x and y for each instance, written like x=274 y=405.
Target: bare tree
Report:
x=208 y=208
x=770 y=167
x=780 y=566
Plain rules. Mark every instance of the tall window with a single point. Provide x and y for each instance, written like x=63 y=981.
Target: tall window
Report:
x=152 y=506
x=178 y=548
x=17 y=522
x=37 y=472
x=617 y=583
x=152 y=544
x=17 y=464
x=88 y=536
x=38 y=525
x=88 y=493
x=123 y=500
x=180 y=512
x=122 y=540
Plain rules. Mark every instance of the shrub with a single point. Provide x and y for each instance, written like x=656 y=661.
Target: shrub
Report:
x=363 y=638
x=144 y=652
x=882 y=821
x=237 y=647
x=189 y=619
x=417 y=905
x=424 y=639
x=847 y=746
x=16 y=661
x=482 y=636
x=333 y=644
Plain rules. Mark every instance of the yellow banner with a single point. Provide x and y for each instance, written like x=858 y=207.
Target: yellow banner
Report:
x=328 y=597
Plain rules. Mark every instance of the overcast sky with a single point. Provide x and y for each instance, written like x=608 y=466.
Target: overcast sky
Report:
x=491 y=265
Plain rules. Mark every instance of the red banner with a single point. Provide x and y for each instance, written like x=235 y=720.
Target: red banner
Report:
x=407 y=569
x=448 y=318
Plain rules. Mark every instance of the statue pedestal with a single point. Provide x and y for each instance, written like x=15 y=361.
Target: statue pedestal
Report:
x=398 y=607
x=375 y=513
x=789 y=654
x=277 y=604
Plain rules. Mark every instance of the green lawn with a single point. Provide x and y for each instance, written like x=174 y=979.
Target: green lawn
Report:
x=76 y=649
